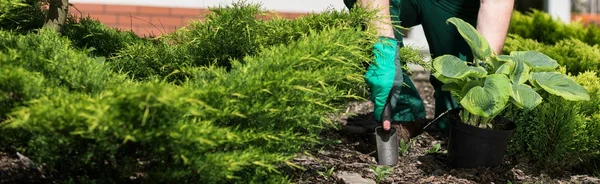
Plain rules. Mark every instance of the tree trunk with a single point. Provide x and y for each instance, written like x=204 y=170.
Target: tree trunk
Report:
x=57 y=14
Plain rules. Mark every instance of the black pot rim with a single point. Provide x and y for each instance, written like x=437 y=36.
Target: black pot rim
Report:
x=458 y=125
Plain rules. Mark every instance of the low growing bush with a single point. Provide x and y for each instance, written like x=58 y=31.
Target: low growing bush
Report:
x=558 y=138
x=222 y=126
x=88 y=33
x=21 y=15
x=544 y=28
x=576 y=56
x=16 y=87
x=228 y=33
x=56 y=60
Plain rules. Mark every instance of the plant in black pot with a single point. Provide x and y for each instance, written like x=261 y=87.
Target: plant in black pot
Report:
x=485 y=87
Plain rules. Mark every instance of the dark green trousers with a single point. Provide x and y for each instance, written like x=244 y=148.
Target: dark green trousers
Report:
x=442 y=38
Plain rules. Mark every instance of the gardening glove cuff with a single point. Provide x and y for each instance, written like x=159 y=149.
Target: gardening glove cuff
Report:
x=384 y=76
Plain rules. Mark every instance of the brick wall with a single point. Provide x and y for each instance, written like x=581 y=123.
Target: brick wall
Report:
x=587 y=18
x=145 y=20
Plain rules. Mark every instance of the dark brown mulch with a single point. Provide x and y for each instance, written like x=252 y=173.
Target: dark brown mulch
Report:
x=421 y=163
x=16 y=168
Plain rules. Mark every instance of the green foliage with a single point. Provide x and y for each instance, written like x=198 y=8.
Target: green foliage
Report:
x=576 y=55
x=16 y=87
x=54 y=58
x=21 y=15
x=228 y=34
x=544 y=28
x=239 y=124
x=559 y=138
x=88 y=33
x=148 y=60
x=486 y=88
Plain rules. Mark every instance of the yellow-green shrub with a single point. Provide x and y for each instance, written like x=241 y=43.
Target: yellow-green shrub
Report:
x=557 y=138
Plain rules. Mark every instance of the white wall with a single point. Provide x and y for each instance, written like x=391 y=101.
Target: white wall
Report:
x=560 y=9
x=278 y=5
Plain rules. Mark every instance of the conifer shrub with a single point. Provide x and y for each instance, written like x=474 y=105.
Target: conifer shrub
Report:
x=575 y=55
x=17 y=86
x=544 y=28
x=228 y=33
x=239 y=30
x=152 y=60
x=222 y=126
x=88 y=33
x=56 y=60
x=21 y=16
x=558 y=138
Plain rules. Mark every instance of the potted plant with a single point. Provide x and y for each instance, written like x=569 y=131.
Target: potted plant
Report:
x=484 y=87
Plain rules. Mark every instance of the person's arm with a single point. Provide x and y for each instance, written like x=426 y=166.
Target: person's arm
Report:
x=383 y=21
x=493 y=21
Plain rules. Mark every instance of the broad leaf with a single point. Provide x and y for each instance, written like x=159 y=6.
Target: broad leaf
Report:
x=453 y=67
x=489 y=100
x=504 y=69
x=469 y=85
x=500 y=60
x=447 y=80
x=479 y=45
x=505 y=58
x=525 y=97
x=536 y=60
x=520 y=74
x=452 y=87
x=560 y=85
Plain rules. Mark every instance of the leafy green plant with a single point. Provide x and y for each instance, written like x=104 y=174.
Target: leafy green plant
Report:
x=22 y=16
x=435 y=149
x=381 y=172
x=558 y=138
x=544 y=28
x=577 y=56
x=404 y=147
x=328 y=172
x=488 y=84
x=90 y=34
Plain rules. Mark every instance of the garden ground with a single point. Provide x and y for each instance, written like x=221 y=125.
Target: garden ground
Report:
x=421 y=163
x=346 y=153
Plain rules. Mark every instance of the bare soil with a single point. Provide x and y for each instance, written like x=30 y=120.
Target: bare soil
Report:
x=422 y=162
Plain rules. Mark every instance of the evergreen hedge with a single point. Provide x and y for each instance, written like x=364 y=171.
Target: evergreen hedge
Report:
x=575 y=55
x=542 y=27
x=227 y=33
x=22 y=15
x=557 y=138
x=101 y=40
x=235 y=122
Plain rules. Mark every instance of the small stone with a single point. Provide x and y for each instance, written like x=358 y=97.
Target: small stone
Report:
x=352 y=178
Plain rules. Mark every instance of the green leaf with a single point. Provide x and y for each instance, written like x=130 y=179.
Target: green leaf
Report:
x=504 y=69
x=520 y=74
x=469 y=85
x=479 y=45
x=451 y=87
x=536 y=60
x=560 y=85
x=525 y=97
x=453 y=67
x=505 y=58
x=499 y=60
x=489 y=100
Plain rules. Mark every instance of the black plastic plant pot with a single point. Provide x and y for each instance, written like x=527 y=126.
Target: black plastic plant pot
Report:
x=472 y=147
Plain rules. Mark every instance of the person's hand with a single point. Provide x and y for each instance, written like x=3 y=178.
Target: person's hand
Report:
x=384 y=78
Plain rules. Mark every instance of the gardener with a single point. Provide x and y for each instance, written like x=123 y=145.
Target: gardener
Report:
x=490 y=17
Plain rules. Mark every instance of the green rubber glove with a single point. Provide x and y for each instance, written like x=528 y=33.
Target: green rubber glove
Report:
x=384 y=78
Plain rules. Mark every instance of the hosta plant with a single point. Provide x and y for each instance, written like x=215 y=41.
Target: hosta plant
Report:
x=489 y=83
